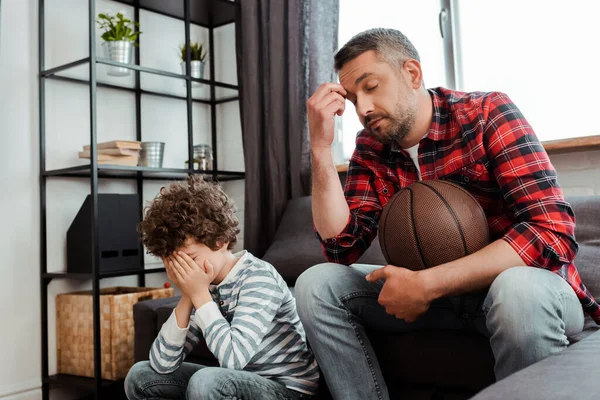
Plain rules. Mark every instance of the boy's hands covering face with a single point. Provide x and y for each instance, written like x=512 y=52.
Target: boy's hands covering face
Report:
x=190 y=278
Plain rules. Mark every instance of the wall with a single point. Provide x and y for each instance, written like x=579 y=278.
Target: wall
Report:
x=578 y=173
x=67 y=131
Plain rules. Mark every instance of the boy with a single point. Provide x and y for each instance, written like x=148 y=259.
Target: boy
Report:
x=242 y=308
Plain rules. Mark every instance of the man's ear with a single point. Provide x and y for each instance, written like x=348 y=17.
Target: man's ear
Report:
x=415 y=74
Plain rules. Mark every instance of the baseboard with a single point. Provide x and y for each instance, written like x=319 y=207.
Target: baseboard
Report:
x=21 y=391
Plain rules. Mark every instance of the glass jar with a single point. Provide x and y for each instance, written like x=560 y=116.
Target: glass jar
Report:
x=203 y=157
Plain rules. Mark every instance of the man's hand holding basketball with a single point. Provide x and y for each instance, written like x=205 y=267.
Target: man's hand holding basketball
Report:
x=404 y=293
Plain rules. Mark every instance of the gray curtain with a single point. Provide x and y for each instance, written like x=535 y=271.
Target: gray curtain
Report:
x=284 y=51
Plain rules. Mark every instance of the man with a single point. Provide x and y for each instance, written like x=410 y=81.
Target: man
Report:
x=481 y=141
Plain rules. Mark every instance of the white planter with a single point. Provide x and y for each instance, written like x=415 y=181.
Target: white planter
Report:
x=119 y=51
x=196 y=69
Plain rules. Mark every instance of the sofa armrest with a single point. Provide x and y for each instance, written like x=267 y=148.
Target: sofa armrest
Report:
x=145 y=324
x=570 y=374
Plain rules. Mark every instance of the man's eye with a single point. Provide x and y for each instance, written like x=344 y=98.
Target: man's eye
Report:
x=372 y=88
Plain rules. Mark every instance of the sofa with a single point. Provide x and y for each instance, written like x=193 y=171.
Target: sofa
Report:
x=431 y=364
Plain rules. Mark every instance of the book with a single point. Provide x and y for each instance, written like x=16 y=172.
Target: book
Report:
x=111 y=152
x=117 y=144
x=131 y=160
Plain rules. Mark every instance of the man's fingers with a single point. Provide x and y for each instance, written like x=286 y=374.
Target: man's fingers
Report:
x=324 y=90
x=336 y=107
x=378 y=274
x=330 y=98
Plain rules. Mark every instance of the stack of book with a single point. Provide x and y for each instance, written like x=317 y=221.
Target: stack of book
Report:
x=116 y=152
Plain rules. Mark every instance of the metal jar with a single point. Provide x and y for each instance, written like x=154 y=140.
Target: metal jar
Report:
x=203 y=157
x=152 y=154
x=196 y=69
x=119 y=51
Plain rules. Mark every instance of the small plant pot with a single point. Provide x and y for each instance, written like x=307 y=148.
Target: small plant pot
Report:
x=196 y=69
x=119 y=51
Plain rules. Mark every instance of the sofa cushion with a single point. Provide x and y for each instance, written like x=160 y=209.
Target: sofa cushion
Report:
x=296 y=248
x=571 y=374
x=587 y=233
x=146 y=326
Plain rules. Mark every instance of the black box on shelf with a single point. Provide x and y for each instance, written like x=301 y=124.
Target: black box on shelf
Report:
x=118 y=240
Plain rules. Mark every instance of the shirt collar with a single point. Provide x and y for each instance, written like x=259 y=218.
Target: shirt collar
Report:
x=242 y=256
x=440 y=121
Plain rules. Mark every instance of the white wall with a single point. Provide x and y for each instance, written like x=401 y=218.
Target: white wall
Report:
x=67 y=114
x=578 y=173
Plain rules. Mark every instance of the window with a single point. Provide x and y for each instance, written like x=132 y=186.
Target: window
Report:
x=544 y=55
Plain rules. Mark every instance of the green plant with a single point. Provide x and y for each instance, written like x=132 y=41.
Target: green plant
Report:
x=197 y=52
x=117 y=27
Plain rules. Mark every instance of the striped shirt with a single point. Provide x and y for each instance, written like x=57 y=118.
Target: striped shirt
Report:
x=251 y=325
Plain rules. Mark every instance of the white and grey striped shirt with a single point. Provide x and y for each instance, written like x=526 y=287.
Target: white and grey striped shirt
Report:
x=251 y=325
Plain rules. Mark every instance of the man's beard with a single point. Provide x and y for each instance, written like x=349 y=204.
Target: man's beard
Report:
x=399 y=126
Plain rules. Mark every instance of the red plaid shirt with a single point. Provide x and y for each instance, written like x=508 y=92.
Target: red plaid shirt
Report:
x=482 y=142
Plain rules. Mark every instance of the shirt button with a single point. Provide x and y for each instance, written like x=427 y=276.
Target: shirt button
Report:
x=333 y=240
x=221 y=302
x=466 y=179
x=385 y=190
x=224 y=314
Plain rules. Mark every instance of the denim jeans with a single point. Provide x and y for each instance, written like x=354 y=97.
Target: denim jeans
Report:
x=197 y=382
x=527 y=314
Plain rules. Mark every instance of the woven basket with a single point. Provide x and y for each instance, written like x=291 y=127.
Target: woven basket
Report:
x=75 y=330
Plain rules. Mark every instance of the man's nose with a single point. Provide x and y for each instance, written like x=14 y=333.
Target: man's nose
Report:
x=363 y=109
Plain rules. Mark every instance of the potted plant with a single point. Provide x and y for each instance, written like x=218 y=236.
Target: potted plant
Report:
x=119 y=38
x=197 y=57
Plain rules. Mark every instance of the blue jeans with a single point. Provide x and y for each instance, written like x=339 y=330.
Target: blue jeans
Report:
x=197 y=382
x=527 y=315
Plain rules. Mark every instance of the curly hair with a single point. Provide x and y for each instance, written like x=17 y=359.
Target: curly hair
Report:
x=194 y=209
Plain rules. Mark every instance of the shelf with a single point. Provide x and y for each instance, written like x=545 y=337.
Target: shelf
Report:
x=87 y=276
x=124 y=172
x=220 y=12
x=80 y=382
x=586 y=143
x=153 y=81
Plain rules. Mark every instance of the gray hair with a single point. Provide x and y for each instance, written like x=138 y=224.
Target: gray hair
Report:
x=389 y=44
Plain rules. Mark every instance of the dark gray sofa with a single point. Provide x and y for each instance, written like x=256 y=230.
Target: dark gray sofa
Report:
x=431 y=364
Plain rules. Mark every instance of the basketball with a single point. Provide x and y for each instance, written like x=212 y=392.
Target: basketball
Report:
x=431 y=223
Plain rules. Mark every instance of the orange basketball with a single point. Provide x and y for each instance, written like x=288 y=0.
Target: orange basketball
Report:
x=431 y=223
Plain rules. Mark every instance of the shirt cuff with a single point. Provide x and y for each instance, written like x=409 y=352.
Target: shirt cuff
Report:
x=534 y=251
x=173 y=333
x=207 y=315
x=346 y=237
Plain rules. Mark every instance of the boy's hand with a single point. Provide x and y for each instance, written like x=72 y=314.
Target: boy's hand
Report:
x=169 y=269
x=192 y=280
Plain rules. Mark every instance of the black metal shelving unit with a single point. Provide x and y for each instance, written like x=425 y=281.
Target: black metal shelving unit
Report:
x=209 y=14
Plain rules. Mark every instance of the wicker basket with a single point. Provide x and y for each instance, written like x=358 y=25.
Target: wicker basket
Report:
x=75 y=330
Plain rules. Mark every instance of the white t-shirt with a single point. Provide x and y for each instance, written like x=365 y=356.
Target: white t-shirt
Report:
x=414 y=154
